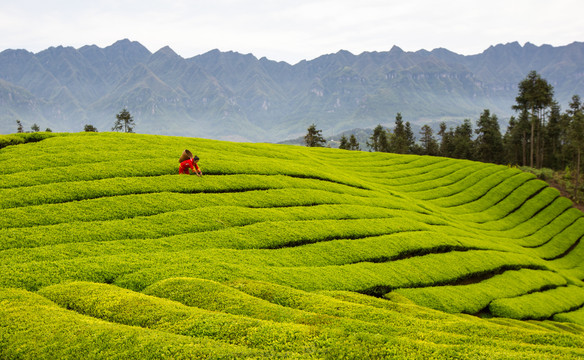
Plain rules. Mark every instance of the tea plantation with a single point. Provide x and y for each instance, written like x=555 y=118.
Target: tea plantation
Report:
x=279 y=252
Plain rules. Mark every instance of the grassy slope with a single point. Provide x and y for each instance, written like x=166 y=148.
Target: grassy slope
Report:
x=277 y=250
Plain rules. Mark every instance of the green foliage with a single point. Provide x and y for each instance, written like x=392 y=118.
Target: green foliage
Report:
x=21 y=138
x=280 y=251
x=214 y=296
x=89 y=128
x=462 y=143
x=344 y=143
x=379 y=139
x=429 y=143
x=476 y=297
x=126 y=307
x=124 y=121
x=489 y=143
x=353 y=144
x=539 y=305
x=313 y=137
x=535 y=96
x=542 y=174
x=19 y=127
x=400 y=140
x=35 y=328
x=576 y=316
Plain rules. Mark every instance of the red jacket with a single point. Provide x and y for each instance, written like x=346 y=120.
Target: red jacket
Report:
x=185 y=165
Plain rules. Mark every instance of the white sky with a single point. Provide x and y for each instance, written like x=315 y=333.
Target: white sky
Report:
x=290 y=30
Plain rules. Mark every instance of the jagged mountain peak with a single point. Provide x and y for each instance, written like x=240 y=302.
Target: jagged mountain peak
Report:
x=16 y=53
x=125 y=43
x=265 y=100
x=167 y=51
x=127 y=49
x=396 y=50
x=58 y=52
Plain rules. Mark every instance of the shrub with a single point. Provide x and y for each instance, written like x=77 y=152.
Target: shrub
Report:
x=21 y=138
x=539 y=305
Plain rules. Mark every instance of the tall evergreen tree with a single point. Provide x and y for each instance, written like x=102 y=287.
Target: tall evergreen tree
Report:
x=576 y=137
x=399 y=141
x=462 y=141
x=379 y=140
x=353 y=144
x=535 y=96
x=384 y=141
x=554 y=157
x=489 y=143
x=523 y=127
x=512 y=142
x=446 y=141
x=411 y=139
x=313 y=137
x=429 y=143
x=344 y=143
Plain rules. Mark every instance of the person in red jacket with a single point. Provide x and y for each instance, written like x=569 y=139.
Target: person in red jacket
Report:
x=190 y=163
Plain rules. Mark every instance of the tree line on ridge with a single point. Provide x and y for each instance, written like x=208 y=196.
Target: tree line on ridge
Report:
x=540 y=136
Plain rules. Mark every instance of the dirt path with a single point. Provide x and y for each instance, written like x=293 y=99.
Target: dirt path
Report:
x=565 y=193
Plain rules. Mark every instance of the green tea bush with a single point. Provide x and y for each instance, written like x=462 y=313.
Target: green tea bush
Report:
x=576 y=316
x=459 y=192
x=76 y=191
x=85 y=172
x=126 y=307
x=532 y=216
x=511 y=202
x=415 y=179
x=496 y=191
x=539 y=305
x=13 y=139
x=282 y=339
x=32 y=327
x=264 y=235
x=178 y=222
x=559 y=245
x=387 y=167
x=21 y=138
x=409 y=320
x=366 y=277
x=214 y=296
x=551 y=229
x=508 y=218
x=473 y=298
x=571 y=261
x=129 y=206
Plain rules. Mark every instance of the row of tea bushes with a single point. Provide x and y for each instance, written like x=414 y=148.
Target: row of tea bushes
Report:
x=34 y=327
x=309 y=324
x=476 y=297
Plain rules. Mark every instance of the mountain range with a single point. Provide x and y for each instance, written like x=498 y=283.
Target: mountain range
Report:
x=233 y=96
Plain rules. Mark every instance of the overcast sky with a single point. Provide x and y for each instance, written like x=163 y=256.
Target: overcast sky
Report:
x=290 y=30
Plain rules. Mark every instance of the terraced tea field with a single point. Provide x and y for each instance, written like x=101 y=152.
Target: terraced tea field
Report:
x=280 y=252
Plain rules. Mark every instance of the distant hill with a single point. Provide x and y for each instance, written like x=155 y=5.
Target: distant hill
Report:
x=361 y=135
x=232 y=96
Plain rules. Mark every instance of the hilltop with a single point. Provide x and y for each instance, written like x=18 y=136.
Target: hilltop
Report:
x=280 y=251
x=233 y=96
